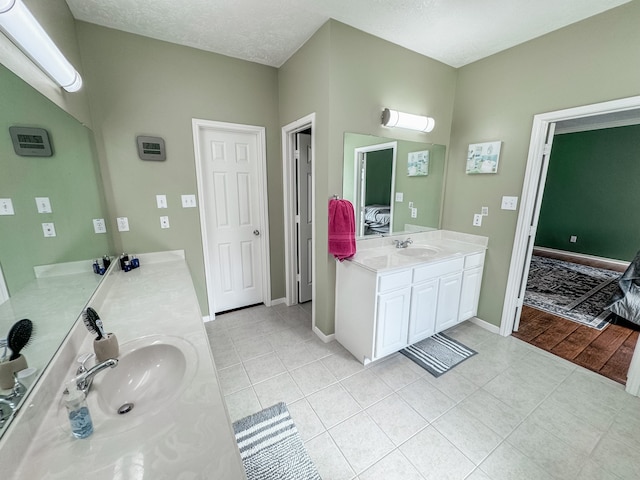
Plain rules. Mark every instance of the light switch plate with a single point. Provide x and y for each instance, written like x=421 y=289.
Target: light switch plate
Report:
x=6 y=206
x=44 y=204
x=123 y=224
x=164 y=222
x=509 y=203
x=99 y=226
x=414 y=213
x=399 y=197
x=485 y=211
x=49 y=229
x=161 y=201
x=188 y=201
x=477 y=220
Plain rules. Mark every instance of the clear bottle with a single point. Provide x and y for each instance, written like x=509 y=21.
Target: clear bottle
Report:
x=78 y=412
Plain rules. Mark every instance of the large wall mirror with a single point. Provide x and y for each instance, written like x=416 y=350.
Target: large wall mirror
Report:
x=69 y=180
x=394 y=185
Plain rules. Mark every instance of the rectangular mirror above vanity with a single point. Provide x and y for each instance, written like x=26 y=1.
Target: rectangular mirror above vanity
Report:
x=389 y=297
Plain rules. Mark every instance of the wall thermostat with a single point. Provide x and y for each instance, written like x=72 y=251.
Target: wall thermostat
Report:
x=30 y=141
x=151 y=148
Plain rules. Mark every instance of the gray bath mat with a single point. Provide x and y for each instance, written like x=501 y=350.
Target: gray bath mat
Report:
x=271 y=448
x=438 y=354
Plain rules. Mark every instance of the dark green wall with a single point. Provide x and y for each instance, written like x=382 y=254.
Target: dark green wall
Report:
x=379 y=173
x=593 y=192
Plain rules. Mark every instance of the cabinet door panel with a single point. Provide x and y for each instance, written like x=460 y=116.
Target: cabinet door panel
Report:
x=448 y=301
x=470 y=294
x=422 y=319
x=392 y=322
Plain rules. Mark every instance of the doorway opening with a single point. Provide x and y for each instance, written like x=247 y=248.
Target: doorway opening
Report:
x=231 y=175
x=298 y=170
x=535 y=176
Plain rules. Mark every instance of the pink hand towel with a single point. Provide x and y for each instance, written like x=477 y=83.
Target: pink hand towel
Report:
x=342 y=229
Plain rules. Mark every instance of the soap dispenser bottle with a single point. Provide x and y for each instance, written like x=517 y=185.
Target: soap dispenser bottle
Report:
x=78 y=412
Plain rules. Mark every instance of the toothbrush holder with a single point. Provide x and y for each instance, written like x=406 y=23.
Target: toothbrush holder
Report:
x=106 y=347
x=8 y=368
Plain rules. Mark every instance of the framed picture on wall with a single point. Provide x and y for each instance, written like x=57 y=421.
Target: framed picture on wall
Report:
x=483 y=157
x=418 y=164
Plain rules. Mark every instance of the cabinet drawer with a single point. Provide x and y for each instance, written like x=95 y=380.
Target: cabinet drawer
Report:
x=474 y=260
x=431 y=271
x=391 y=281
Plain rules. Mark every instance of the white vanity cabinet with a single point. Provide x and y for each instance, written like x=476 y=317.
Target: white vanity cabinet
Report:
x=379 y=313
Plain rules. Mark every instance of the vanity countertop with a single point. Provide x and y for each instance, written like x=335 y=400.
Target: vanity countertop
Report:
x=191 y=438
x=380 y=255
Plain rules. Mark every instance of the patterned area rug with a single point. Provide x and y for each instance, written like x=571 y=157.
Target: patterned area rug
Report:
x=568 y=290
x=438 y=354
x=271 y=448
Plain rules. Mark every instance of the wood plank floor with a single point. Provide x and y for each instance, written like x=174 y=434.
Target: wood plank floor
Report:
x=607 y=352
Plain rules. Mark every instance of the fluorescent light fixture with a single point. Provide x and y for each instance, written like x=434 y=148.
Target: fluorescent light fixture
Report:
x=393 y=118
x=20 y=26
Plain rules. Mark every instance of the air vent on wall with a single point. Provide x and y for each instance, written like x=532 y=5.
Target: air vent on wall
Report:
x=30 y=141
x=151 y=148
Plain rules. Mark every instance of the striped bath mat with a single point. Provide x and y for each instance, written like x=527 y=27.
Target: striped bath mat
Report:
x=271 y=448
x=438 y=354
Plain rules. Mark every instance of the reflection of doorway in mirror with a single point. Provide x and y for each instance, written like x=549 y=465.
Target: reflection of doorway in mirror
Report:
x=375 y=188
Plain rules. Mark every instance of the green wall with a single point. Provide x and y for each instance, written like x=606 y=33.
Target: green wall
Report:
x=70 y=178
x=591 y=191
x=496 y=99
x=141 y=86
x=347 y=77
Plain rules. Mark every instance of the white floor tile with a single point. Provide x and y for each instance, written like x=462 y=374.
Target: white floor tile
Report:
x=233 y=378
x=328 y=459
x=342 y=364
x=496 y=415
x=394 y=466
x=280 y=388
x=264 y=367
x=435 y=457
x=396 y=419
x=242 y=403
x=361 y=441
x=306 y=420
x=333 y=405
x=398 y=371
x=313 y=377
x=366 y=388
x=426 y=399
x=472 y=437
x=507 y=463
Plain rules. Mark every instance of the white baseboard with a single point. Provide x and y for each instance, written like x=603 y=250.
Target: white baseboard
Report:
x=207 y=318
x=486 y=325
x=322 y=336
x=278 y=301
x=621 y=264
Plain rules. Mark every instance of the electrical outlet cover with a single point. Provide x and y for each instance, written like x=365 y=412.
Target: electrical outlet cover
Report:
x=6 y=206
x=49 y=229
x=99 y=225
x=477 y=220
x=164 y=222
x=123 y=224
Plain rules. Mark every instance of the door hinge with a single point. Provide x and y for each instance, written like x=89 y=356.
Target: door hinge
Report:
x=532 y=230
x=297 y=218
x=296 y=154
x=547 y=149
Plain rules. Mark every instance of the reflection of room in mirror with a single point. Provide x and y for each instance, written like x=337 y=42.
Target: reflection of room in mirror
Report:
x=416 y=178
x=70 y=195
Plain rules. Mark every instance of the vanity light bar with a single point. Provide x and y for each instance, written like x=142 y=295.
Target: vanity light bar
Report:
x=393 y=118
x=21 y=27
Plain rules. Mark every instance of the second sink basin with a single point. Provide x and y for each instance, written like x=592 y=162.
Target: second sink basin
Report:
x=418 y=251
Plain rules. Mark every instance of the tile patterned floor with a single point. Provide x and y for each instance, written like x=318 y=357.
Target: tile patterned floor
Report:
x=513 y=412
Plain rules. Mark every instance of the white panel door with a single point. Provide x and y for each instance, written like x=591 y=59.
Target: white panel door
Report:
x=304 y=217
x=233 y=222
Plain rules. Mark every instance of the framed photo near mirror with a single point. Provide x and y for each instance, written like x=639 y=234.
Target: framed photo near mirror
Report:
x=483 y=157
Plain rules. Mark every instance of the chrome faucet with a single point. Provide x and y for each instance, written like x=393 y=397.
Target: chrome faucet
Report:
x=85 y=378
x=9 y=403
x=403 y=244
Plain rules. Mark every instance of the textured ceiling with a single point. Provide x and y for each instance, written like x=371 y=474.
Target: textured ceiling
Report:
x=456 y=32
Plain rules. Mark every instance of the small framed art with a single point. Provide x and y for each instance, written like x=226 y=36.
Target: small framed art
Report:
x=418 y=164
x=483 y=157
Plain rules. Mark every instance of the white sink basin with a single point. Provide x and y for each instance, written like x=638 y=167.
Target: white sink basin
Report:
x=418 y=251
x=150 y=373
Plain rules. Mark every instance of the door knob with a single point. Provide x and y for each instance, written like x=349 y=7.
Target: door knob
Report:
x=256 y=233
